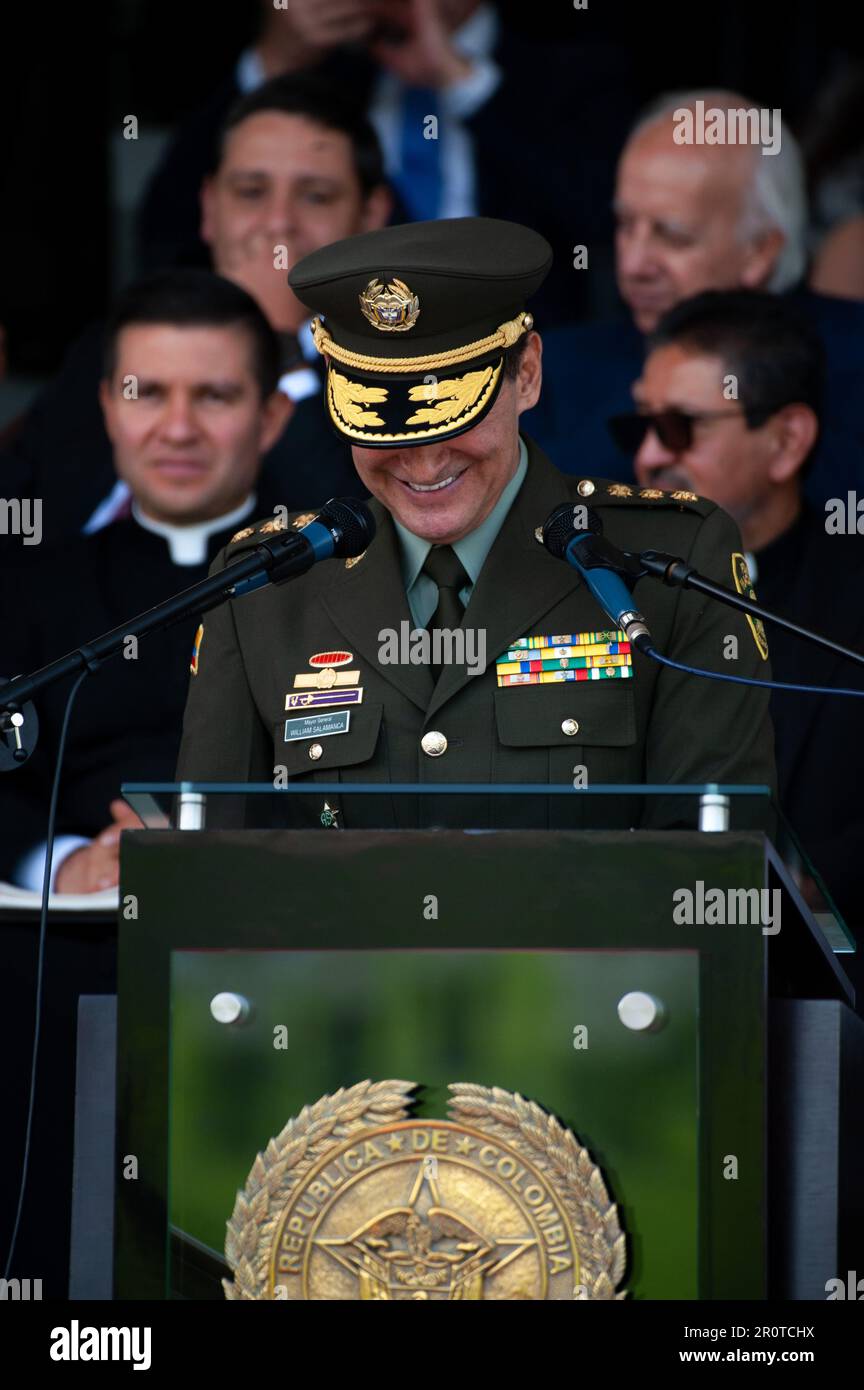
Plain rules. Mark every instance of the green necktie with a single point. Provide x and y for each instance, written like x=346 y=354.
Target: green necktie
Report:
x=449 y=574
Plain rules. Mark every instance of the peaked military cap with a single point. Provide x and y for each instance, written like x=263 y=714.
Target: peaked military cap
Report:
x=414 y=322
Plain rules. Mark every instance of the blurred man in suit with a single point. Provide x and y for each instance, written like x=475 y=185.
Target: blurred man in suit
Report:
x=693 y=217
x=191 y=405
x=298 y=168
x=444 y=84
x=729 y=403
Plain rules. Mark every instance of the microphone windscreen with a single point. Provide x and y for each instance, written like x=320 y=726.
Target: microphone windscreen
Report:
x=351 y=523
x=560 y=527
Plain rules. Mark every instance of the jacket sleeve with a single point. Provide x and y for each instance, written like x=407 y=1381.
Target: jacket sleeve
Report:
x=711 y=731
x=224 y=738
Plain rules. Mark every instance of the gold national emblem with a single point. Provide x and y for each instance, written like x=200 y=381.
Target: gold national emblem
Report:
x=391 y=308
x=356 y=1200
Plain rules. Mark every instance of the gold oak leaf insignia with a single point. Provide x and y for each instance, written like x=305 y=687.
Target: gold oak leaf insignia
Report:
x=452 y=397
x=349 y=397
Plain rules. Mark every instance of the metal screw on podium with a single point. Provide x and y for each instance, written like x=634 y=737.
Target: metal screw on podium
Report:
x=191 y=808
x=230 y=1008
x=713 y=811
x=640 y=1012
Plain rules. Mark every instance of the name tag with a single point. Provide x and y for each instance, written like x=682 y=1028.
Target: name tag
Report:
x=317 y=725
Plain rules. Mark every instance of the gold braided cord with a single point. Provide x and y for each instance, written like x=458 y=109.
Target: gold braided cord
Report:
x=504 y=336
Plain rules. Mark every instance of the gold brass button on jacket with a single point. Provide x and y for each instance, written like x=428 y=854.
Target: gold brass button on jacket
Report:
x=659 y=726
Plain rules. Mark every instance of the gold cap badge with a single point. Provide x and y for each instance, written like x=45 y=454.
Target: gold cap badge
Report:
x=391 y=308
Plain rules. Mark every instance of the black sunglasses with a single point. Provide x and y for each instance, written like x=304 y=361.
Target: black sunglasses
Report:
x=674 y=428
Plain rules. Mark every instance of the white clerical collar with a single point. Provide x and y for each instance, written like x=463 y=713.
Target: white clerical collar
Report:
x=188 y=544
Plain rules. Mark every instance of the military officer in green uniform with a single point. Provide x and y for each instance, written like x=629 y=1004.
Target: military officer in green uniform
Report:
x=432 y=358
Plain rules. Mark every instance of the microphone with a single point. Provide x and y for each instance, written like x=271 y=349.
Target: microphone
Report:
x=343 y=527
x=604 y=568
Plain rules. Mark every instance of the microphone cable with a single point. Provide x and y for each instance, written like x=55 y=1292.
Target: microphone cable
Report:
x=40 y=965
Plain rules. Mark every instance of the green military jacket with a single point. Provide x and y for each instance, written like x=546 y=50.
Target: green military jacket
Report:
x=658 y=726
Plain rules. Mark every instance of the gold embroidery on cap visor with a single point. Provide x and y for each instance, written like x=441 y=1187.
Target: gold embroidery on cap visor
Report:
x=447 y=405
x=347 y=399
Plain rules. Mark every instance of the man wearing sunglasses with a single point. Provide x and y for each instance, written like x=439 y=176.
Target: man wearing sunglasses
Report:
x=729 y=405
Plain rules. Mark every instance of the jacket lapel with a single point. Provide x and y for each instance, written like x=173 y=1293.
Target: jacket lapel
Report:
x=367 y=597
x=504 y=609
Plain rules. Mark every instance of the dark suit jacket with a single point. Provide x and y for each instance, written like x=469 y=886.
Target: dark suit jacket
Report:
x=818 y=580
x=125 y=723
x=62 y=454
x=588 y=370
x=659 y=725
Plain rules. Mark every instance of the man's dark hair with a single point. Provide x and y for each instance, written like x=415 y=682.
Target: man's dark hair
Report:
x=310 y=97
x=195 y=299
x=763 y=340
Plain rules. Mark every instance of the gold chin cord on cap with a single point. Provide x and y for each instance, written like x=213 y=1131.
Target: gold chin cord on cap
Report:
x=503 y=337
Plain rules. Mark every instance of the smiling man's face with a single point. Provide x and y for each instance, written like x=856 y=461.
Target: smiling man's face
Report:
x=189 y=443
x=442 y=492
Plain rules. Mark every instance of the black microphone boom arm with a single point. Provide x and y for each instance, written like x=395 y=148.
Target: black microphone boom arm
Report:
x=674 y=571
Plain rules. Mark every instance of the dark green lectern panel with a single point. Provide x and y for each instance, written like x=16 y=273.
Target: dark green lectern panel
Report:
x=542 y=1023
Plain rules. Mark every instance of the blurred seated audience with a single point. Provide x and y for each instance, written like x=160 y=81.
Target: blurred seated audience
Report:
x=691 y=218
x=750 y=454
x=832 y=139
x=297 y=169
x=191 y=406
x=527 y=122
x=838 y=265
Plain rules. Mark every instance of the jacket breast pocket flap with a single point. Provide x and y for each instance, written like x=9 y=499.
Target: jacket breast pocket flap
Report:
x=321 y=750
x=561 y=715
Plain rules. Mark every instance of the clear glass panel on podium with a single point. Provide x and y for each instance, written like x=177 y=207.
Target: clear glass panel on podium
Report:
x=709 y=807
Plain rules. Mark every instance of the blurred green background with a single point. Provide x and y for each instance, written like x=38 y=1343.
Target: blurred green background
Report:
x=502 y=1018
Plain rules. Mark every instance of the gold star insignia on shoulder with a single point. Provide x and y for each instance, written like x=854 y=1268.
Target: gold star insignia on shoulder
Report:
x=303 y=520
x=276 y=525
x=651 y=494
x=682 y=496
x=620 y=490
x=244 y=534
x=354 y=560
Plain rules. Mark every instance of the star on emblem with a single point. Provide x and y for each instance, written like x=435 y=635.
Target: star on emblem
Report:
x=620 y=490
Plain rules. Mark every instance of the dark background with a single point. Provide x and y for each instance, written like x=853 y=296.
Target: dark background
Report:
x=68 y=76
